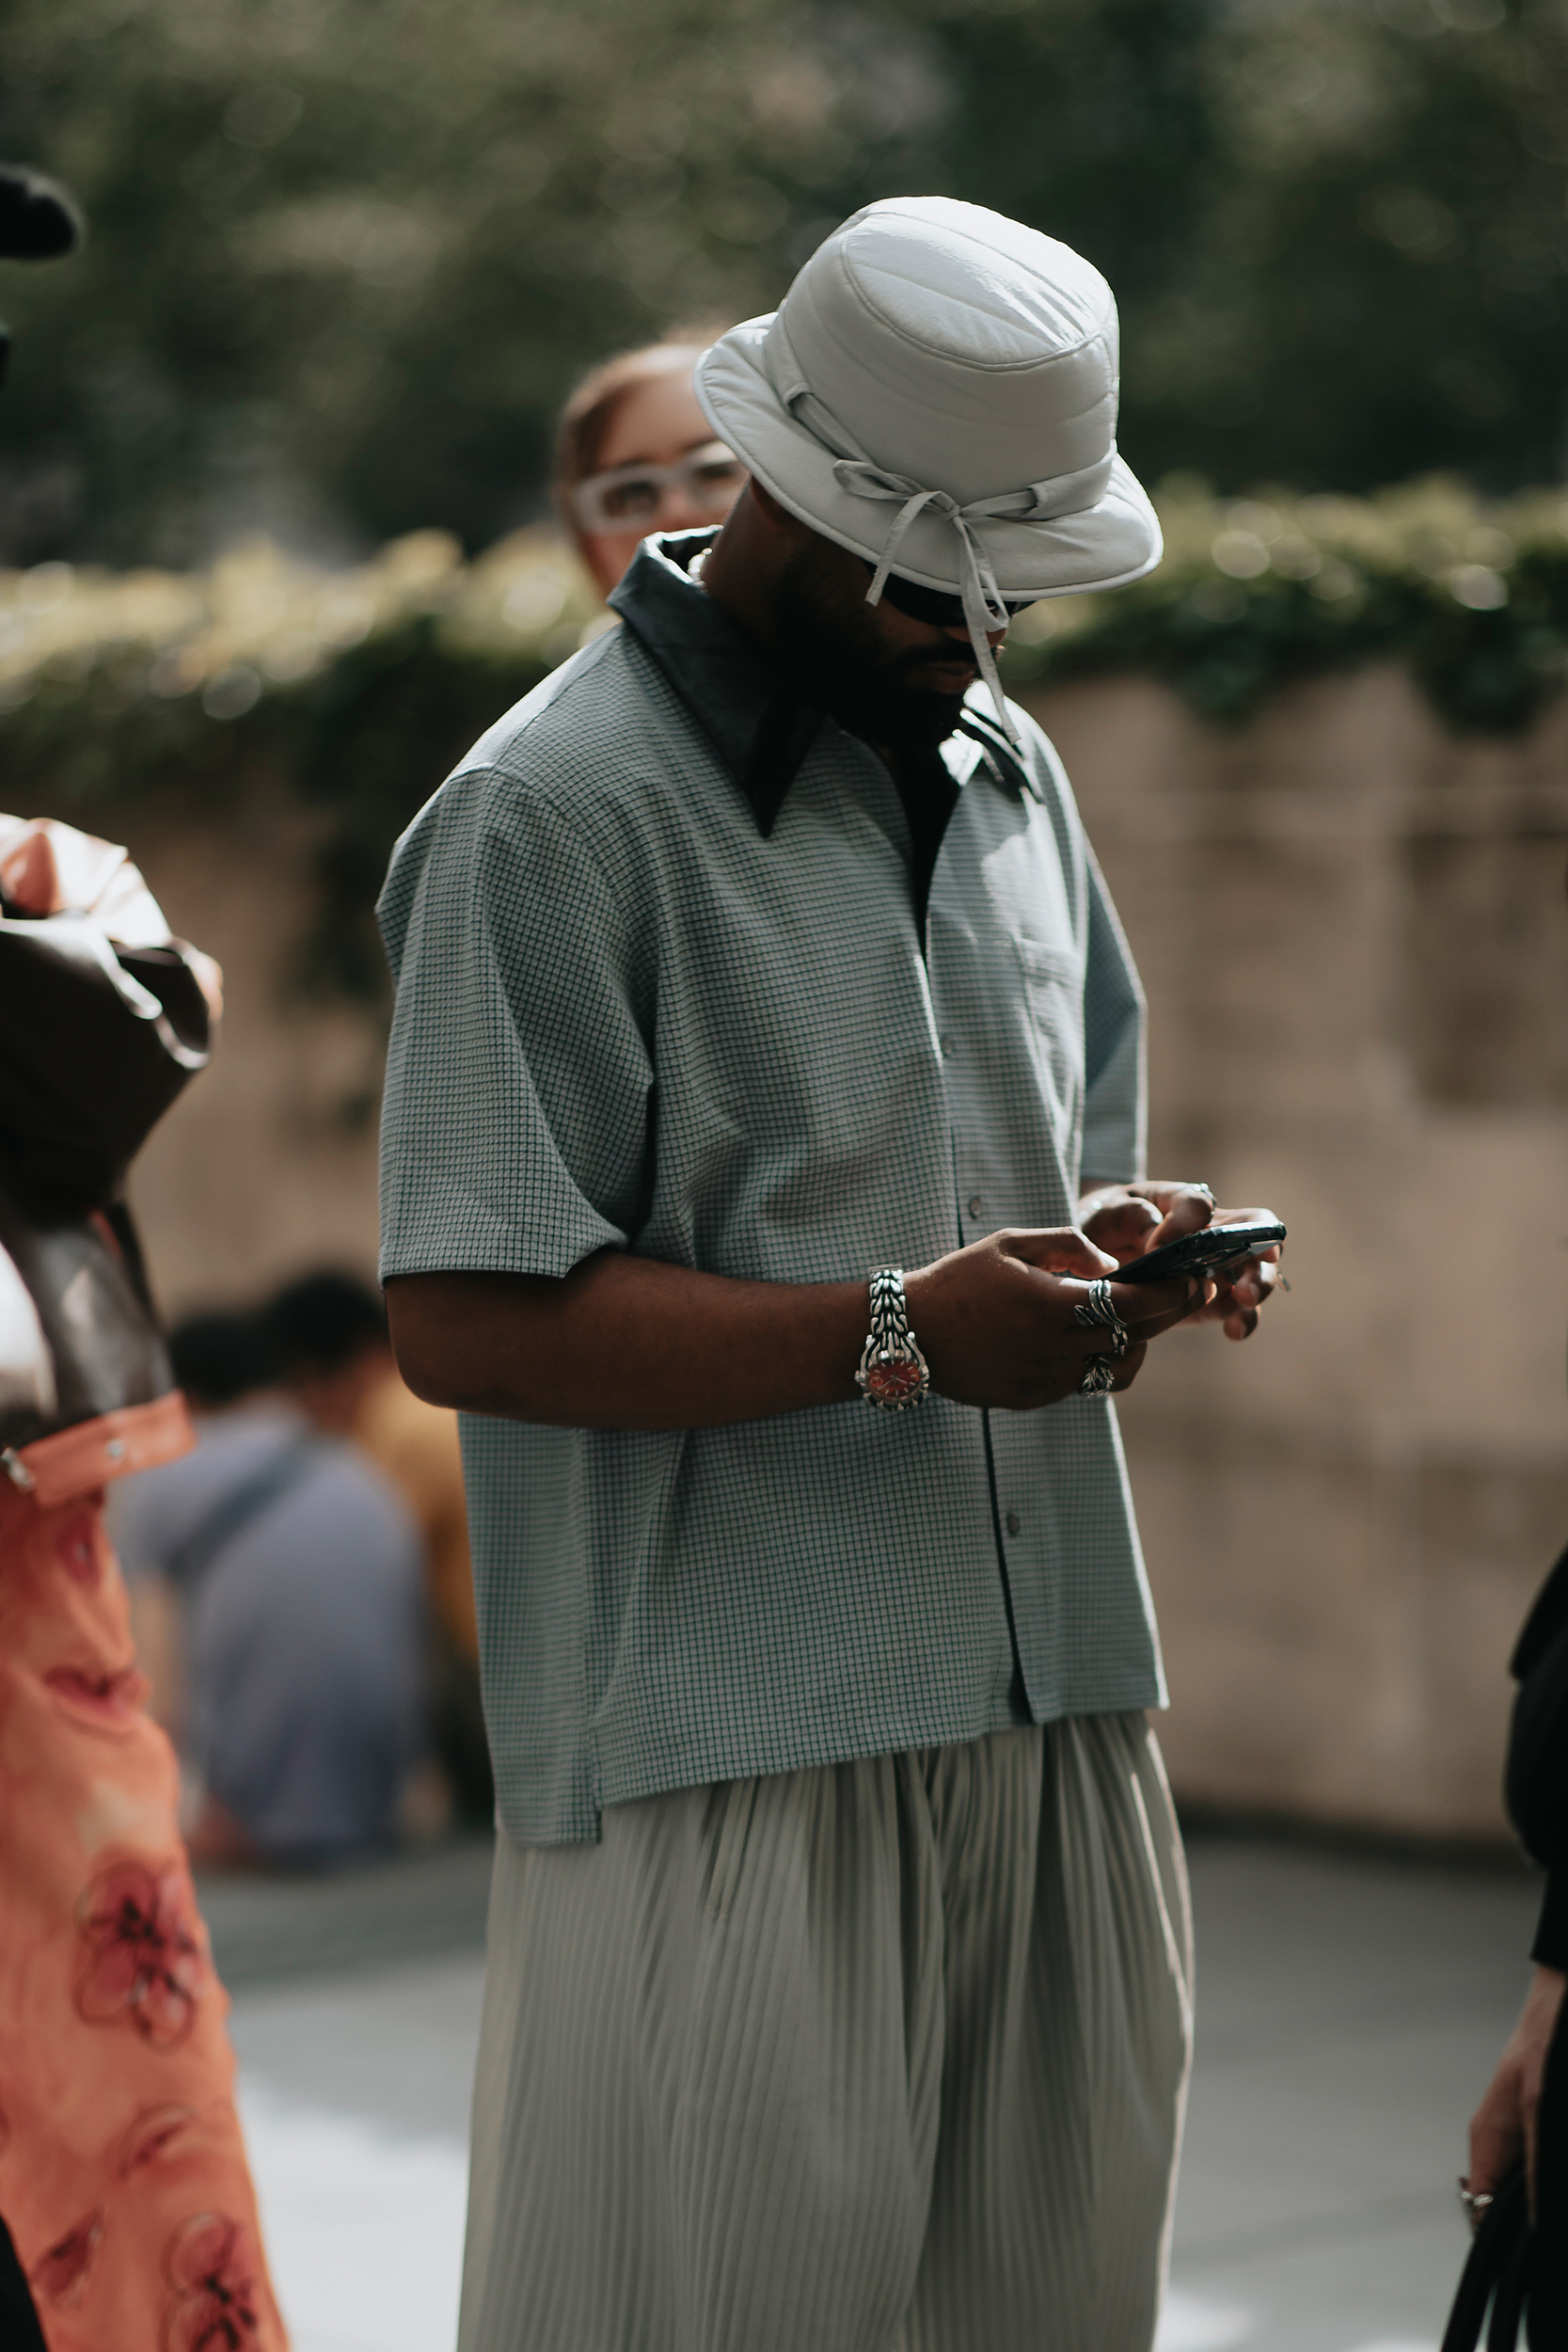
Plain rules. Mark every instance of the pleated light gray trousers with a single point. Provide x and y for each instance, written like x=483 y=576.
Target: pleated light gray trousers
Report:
x=879 y=2057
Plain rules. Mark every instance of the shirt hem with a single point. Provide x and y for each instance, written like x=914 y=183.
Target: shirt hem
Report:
x=696 y=1766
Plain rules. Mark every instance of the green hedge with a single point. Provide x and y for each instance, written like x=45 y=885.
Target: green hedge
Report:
x=1254 y=593
x=361 y=687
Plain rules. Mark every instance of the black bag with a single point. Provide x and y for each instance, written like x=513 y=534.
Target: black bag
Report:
x=1496 y=2276
x=84 y=1075
x=97 y=1037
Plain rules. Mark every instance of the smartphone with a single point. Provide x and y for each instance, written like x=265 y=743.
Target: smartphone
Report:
x=1199 y=1253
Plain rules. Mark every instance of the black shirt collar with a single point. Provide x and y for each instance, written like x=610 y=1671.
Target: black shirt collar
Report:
x=757 y=719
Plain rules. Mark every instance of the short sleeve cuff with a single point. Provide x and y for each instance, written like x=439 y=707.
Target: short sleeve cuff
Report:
x=433 y=1226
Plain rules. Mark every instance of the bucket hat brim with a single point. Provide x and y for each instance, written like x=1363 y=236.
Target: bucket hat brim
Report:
x=1103 y=545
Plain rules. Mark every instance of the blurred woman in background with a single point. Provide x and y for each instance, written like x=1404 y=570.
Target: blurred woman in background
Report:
x=635 y=454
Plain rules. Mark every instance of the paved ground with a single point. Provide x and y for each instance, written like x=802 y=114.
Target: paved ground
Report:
x=1350 y=2011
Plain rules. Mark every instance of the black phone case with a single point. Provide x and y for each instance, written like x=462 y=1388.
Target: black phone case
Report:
x=1195 y=1253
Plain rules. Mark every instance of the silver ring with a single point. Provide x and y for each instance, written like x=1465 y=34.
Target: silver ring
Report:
x=1097 y=1312
x=1475 y=2201
x=1099 y=1376
x=1205 y=1190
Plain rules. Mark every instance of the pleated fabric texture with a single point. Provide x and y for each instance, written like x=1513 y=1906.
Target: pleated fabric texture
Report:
x=887 y=2055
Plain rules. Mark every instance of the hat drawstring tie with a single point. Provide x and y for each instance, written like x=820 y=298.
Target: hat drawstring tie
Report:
x=983 y=606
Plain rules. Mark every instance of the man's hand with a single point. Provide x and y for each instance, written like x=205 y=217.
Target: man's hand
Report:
x=996 y=1324
x=1130 y=1219
x=1503 y=2126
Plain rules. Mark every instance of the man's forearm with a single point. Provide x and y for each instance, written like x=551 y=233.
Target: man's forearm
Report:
x=625 y=1342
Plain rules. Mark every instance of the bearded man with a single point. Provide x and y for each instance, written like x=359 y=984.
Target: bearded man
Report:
x=838 y=1988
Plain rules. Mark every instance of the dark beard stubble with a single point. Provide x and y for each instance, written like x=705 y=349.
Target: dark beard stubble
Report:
x=831 y=645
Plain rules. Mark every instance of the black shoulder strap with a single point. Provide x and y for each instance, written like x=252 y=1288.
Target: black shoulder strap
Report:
x=1495 y=2275
x=189 y=1562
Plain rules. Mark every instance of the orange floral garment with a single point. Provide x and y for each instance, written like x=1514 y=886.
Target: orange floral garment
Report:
x=123 y=2178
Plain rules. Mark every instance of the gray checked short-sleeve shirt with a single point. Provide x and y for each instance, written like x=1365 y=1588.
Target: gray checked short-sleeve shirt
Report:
x=662 y=986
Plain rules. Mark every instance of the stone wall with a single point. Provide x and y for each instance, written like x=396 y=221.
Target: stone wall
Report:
x=1353 y=933
x=1354 y=938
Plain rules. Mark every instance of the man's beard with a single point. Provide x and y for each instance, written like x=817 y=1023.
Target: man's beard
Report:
x=831 y=643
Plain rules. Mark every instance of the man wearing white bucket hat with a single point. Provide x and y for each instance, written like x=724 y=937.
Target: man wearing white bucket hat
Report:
x=838 y=1990
x=944 y=402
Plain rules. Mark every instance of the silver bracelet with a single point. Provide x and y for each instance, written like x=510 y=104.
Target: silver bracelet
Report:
x=893 y=1371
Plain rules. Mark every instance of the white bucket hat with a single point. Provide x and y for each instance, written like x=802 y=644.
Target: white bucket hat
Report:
x=938 y=393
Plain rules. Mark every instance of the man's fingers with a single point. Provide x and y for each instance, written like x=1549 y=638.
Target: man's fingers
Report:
x=1498 y=2128
x=1237 y=1302
x=1241 y=1290
x=1493 y=2153
x=1059 y=1249
x=1186 y=1211
x=1123 y=1227
x=1251 y=1280
x=1257 y=1276
x=1154 y=1307
x=1530 y=2154
x=1150 y=1308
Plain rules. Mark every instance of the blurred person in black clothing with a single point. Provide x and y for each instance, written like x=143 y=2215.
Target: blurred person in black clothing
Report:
x=1524 y=2116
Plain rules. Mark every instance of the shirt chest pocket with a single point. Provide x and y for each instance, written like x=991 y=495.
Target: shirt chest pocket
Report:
x=1053 y=1005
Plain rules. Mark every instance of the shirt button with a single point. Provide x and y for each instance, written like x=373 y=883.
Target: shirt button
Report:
x=948 y=1049
x=976 y=1205
x=1011 y=1522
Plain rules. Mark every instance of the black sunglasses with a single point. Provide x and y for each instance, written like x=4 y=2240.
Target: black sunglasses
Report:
x=931 y=604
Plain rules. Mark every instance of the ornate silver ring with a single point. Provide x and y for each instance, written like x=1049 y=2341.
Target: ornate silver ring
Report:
x=1099 y=1376
x=1097 y=1312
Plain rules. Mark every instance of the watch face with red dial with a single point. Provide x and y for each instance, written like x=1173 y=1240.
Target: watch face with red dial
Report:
x=893 y=1381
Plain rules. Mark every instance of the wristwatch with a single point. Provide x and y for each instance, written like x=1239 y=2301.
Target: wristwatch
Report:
x=893 y=1371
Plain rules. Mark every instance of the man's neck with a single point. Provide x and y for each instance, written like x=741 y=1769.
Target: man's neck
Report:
x=737 y=573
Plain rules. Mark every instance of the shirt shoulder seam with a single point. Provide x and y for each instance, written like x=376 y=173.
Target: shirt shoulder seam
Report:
x=541 y=791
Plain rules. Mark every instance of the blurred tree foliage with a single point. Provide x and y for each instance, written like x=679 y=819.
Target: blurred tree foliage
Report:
x=348 y=255
x=1337 y=228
